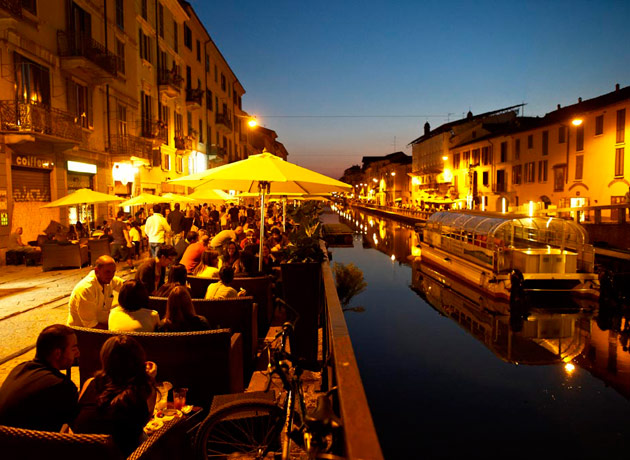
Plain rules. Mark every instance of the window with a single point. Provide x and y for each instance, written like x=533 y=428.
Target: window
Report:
x=166 y=162
x=146 y=113
x=209 y=137
x=599 y=125
x=179 y=163
x=207 y=63
x=30 y=6
x=558 y=178
x=517 y=149
x=467 y=158
x=516 y=174
x=79 y=103
x=32 y=81
x=120 y=54
x=216 y=74
x=501 y=180
x=621 y=126
x=198 y=51
x=562 y=135
x=475 y=156
x=201 y=130
x=175 y=37
x=223 y=82
x=579 y=167
x=579 y=138
x=456 y=157
x=619 y=162
x=145 y=9
x=485 y=178
x=545 y=143
x=179 y=125
x=188 y=77
x=542 y=171
x=503 y=152
x=187 y=37
x=209 y=100
x=189 y=120
x=122 y=120
x=160 y=12
x=486 y=156
x=120 y=17
x=163 y=114
x=530 y=141
x=144 y=45
x=530 y=172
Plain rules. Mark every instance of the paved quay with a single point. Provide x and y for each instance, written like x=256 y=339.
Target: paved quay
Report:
x=30 y=300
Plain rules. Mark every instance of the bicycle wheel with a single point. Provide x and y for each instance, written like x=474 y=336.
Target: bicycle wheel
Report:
x=241 y=429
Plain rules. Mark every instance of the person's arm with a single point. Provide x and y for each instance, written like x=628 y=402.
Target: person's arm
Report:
x=86 y=300
x=151 y=372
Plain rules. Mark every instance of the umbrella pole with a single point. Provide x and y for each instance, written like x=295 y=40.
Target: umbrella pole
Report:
x=261 y=187
x=284 y=214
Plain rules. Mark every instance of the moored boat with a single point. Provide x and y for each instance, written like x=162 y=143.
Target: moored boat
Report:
x=506 y=254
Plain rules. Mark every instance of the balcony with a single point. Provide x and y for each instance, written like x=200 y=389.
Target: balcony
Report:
x=86 y=58
x=170 y=82
x=225 y=120
x=22 y=122
x=194 y=98
x=12 y=7
x=219 y=152
x=157 y=131
x=242 y=137
x=127 y=145
x=184 y=142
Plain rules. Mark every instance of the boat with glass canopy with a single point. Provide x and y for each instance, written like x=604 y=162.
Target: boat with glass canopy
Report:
x=503 y=254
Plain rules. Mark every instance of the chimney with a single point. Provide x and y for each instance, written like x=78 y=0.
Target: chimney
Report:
x=558 y=106
x=617 y=87
x=469 y=115
x=427 y=128
x=579 y=100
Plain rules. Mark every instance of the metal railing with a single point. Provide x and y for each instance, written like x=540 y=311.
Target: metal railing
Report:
x=194 y=96
x=14 y=7
x=126 y=144
x=23 y=117
x=224 y=119
x=184 y=143
x=359 y=435
x=77 y=44
x=168 y=77
x=152 y=129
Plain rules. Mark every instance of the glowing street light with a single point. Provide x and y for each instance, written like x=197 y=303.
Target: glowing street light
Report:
x=577 y=122
x=252 y=122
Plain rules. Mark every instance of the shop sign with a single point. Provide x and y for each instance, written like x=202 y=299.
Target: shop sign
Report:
x=77 y=166
x=32 y=161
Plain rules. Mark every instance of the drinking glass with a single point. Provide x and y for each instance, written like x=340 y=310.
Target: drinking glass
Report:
x=179 y=398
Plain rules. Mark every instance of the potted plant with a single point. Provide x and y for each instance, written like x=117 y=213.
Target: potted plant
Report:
x=302 y=276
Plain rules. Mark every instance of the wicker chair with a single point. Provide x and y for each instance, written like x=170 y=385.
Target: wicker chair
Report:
x=19 y=443
x=63 y=256
x=199 y=286
x=98 y=248
x=205 y=362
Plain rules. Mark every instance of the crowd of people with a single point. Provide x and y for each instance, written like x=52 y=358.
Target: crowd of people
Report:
x=204 y=241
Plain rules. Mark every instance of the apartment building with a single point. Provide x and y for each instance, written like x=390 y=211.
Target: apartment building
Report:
x=386 y=179
x=114 y=95
x=573 y=156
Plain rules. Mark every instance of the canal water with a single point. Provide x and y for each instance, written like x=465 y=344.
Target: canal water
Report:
x=449 y=375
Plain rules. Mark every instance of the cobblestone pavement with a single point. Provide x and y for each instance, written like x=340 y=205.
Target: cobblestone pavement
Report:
x=30 y=300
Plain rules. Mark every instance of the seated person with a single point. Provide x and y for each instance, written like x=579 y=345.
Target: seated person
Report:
x=222 y=288
x=180 y=313
x=120 y=398
x=177 y=276
x=152 y=272
x=15 y=242
x=209 y=265
x=192 y=254
x=230 y=255
x=182 y=244
x=250 y=239
x=270 y=263
x=247 y=265
x=36 y=395
x=132 y=314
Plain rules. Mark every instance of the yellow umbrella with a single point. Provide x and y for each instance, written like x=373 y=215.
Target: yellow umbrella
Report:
x=171 y=197
x=144 y=198
x=83 y=197
x=211 y=196
x=265 y=173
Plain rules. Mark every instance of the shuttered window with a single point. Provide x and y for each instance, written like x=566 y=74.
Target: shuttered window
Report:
x=30 y=184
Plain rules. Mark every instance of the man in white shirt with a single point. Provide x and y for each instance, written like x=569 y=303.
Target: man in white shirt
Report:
x=156 y=228
x=91 y=299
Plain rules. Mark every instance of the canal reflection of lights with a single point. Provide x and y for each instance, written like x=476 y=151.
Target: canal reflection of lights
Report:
x=569 y=368
x=393 y=257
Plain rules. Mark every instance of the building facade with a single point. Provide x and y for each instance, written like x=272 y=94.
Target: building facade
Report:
x=116 y=96
x=386 y=179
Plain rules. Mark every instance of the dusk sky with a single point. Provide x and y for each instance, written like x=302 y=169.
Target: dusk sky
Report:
x=341 y=80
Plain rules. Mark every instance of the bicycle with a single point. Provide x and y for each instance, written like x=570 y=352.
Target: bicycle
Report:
x=255 y=428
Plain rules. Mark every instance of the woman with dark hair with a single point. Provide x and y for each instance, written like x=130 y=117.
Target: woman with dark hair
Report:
x=177 y=276
x=230 y=254
x=120 y=398
x=209 y=265
x=132 y=314
x=180 y=313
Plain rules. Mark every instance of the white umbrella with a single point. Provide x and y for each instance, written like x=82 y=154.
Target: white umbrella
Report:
x=265 y=173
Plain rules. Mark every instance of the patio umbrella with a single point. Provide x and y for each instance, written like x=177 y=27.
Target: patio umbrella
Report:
x=211 y=196
x=173 y=197
x=144 y=198
x=265 y=173
x=82 y=197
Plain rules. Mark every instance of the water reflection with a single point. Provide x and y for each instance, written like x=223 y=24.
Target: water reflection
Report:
x=547 y=330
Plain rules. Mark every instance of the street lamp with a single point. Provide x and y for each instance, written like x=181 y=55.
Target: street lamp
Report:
x=575 y=122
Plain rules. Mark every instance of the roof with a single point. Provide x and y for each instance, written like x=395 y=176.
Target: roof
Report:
x=498 y=129
x=447 y=126
x=396 y=157
x=567 y=113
